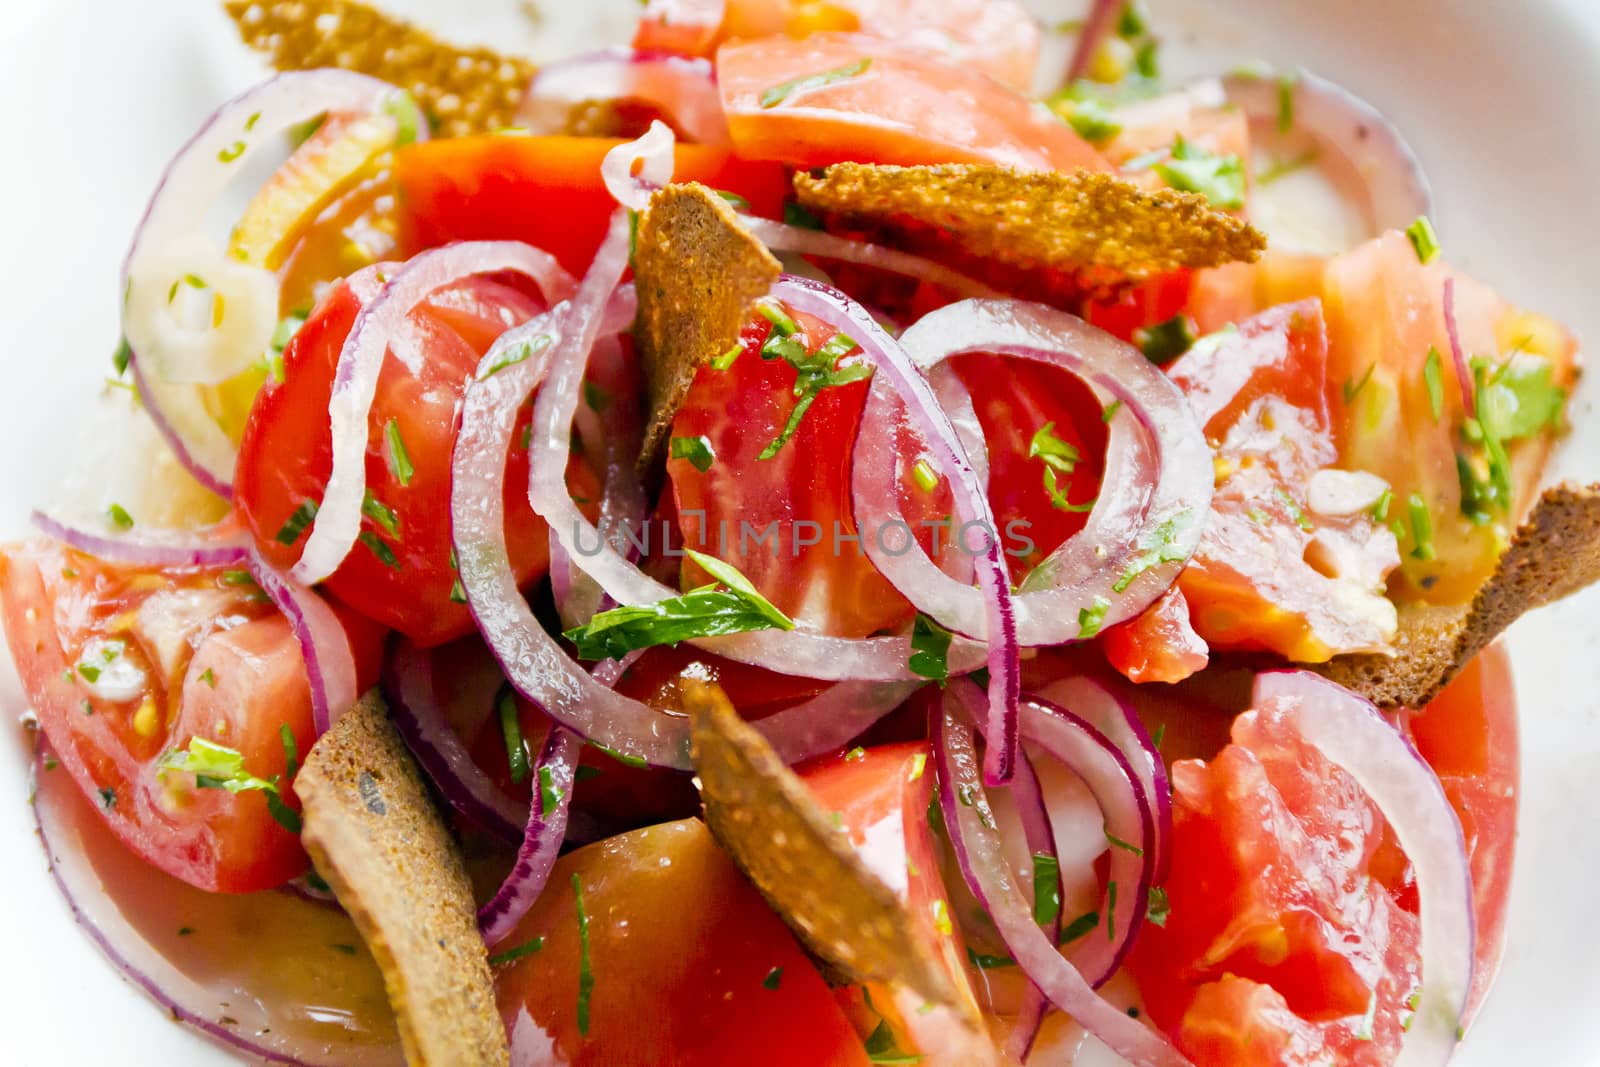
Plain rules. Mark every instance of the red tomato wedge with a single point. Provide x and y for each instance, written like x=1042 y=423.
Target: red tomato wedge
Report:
x=1160 y=645
x=997 y=37
x=688 y=965
x=1281 y=947
x=546 y=191
x=400 y=573
x=833 y=97
x=124 y=664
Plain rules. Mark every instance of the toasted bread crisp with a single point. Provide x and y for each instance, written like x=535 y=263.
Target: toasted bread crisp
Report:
x=777 y=833
x=698 y=271
x=1555 y=553
x=1080 y=222
x=462 y=90
x=379 y=842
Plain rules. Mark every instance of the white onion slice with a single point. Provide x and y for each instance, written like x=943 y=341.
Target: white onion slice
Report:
x=1353 y=734
x=338 y=521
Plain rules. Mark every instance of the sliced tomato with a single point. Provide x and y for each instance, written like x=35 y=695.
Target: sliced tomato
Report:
x=1280 y=946
x=881 y=796
x=688 y=965
x=546 y=191
x=126 y=664
x=1270 y=573
x=1159 y=645
x=1385 y=314
x=400 y=573
x=833 y=97
x=997 y=37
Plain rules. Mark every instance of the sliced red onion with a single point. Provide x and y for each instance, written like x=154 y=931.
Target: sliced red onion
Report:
x=414 y=707
x=170 y=252
x=1156 y=485
x=216 y=547
x=181 y=418
x=632 y=172
x=1116 y=718
x=1346 y=126
x=980 y=854
x=897 y=381
x=330 y=665
x=781 y=237
x=1458 y=355
x=1353 y=734
x=1097 y=26
x=338 y=520
x=131 y=911
x=1035 y=818
x=681 y=88
x=553 y=774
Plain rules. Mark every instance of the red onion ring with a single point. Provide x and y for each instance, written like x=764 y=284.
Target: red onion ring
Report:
x=980 y=853
x=1035 y=818
x=325 y=647
x=781 y=237
x=1345 y=125
x=1096 y=26
x=72 y=836
x=338 y=519
x=681 y=88
x=897 y=380
x=1140 y=532
x=1116 y=718
x=1353 y=734
x=554 y=770
x=651 y=156
x=181 y=418
x=414 y=707
x=1458 y=356
x=216 y=547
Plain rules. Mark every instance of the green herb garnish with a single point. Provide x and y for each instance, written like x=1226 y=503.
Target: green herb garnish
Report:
x=379 y=548
x=773 y=979
x=518 y=353
x=380 y=513
x=1166 y=341
x=1046 y=889
x=585 y=971
x=549 y=792
x=930 y=650
x=1431 y=378
x=217 y=767
x=777 y=94
x=1091 y=618
x=297 y=522
x=1421 y=527
x=511 y=955
x=813 y=374
x=1059 y=458
x=511 y=732
x=1160 y=546
x=1220 y=179
x=1159 y=907
x=395 y=455
x=1423 y=239
x=119 y=517
x=697 y=450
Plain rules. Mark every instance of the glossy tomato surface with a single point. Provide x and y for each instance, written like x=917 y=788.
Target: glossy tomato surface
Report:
x=124 y=665
x=688 y=965
x=400 y=572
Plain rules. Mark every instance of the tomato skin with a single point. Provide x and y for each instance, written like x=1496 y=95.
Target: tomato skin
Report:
x=286 y=455
x=994 y=36
x=679 y=947
x=906 y=107
x=1279 y=938
x=481 y=188
x=176 y=626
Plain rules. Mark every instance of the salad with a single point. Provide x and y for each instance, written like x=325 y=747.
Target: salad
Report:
x=783 y=544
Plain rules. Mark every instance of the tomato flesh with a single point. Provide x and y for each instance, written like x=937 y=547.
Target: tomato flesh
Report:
x=205 y=655
x=689 y=965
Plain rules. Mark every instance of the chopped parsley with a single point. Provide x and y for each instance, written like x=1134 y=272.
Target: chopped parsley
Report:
x=1160 y=545
x=1380 y=510
x=511 y=732
x=585 y=971
x=380 y=513
x=1514 y=399
x=697 y=450
x=1117 y=842
x=1421 y=527
x=108 y=797
x=735 y=201
x=1159 y=907
x=1046 y=889
x=379 y=548
x=1423 y=239
x=549 y=793
x=1432 y=379
x=511 y=955
x=519 y=353
x=122 y=357
x=796 y=214
x=813 y=373
x=930 y=650
x=726 y=360
x=231 y=152
x=1220 y=179
x=291 y=751
x=1110 y=411
x=217 y=767
x=1111 y=910
x=882 y=1047
x=1293 y=508
x=919 y=763
x=1059 y=458
x=708 y=611
x=1158 y=735
x=1130 y=23
x=1286 y=87
x=395 y=454
x=925 y=476
x=1146 y=59
x=857 y=753
x=119 y=517
x=1080 y=927
x=1089 y=119
x=1166 y=341
x=296 y=523
x=773 y=979
x=1091 y=618
x=777 y=94
x=596 y=397
x=1353 y=390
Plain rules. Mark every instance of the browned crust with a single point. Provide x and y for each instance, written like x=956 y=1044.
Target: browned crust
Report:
x=1038 y=219
x=377 y=838
x=698 y=272
x=777 y=833
x=1555 y=553
x=463 y=90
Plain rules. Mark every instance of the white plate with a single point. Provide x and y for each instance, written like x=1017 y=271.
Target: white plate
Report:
x=1498 y=98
